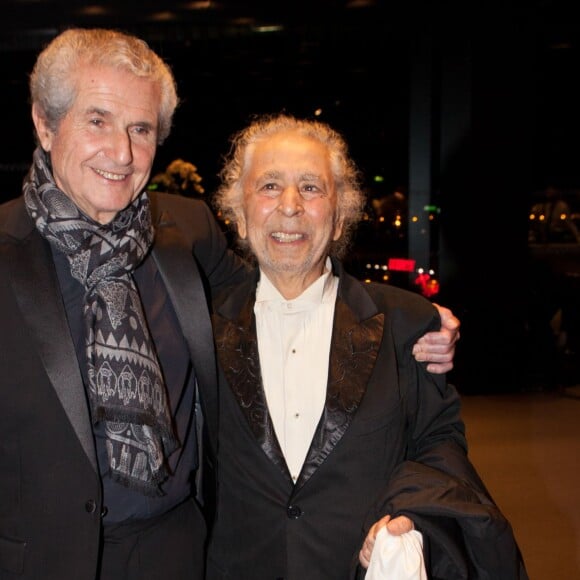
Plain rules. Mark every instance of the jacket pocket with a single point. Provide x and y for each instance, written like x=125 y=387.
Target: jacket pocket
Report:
x=12 y=555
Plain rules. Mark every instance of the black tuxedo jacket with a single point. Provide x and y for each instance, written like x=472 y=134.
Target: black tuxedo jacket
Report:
x=50 y=493
x=384 y=418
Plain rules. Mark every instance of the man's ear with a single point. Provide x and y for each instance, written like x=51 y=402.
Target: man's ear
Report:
x=338 y=227
x=241 y=225
x=45 y=135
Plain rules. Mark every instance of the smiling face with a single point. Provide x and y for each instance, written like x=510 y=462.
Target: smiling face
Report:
x=103 y=149
x=289 y=214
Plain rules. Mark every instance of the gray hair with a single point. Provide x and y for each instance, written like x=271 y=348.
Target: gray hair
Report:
x=52 y=86
x=229 y=196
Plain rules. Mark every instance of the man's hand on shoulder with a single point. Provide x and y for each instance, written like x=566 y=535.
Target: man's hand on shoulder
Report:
x=438 y=348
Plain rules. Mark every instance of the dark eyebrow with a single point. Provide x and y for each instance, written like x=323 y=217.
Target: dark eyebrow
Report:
x=104 y=113
x=97 y=111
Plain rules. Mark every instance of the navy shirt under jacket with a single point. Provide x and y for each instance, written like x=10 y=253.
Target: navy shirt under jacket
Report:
x=123 y=504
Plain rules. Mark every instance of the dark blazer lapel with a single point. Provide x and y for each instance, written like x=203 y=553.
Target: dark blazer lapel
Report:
x=356 y=338
x=237 y=348
x=37 y=290
x=184 y=283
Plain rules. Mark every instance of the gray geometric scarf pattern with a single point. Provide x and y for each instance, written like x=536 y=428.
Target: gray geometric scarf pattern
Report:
x=126 y=386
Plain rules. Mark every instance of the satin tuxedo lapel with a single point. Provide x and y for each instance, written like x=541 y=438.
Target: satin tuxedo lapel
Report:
x=37 y=291
x=237 y=348
x=183 y=281
x=353 y=353
x=355 y=343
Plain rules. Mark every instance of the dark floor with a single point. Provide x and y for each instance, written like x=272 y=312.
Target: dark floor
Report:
x=526 y=446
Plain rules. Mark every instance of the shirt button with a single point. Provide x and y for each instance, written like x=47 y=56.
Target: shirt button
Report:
x=293 y=512
x=90 y=506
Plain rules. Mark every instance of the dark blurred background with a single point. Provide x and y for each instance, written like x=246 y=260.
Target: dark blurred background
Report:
x=461 y=115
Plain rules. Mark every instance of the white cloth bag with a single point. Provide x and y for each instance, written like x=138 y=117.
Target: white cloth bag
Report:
x=397 y=557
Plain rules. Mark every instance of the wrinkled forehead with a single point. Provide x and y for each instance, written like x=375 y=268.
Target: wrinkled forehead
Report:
x=289 y=152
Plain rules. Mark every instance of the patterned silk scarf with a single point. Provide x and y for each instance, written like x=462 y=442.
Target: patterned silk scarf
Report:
x=126 y=387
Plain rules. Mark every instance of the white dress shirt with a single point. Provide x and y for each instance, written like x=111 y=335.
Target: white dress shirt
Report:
x=294 y=345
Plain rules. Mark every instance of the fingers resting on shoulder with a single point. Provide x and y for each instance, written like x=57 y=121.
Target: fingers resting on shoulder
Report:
x=438 y=347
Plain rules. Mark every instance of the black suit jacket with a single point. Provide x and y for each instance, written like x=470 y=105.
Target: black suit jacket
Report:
x=384 y=414
x=50 y=493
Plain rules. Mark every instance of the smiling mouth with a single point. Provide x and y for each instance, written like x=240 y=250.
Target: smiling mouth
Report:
x=286 y=238
x=109 y=175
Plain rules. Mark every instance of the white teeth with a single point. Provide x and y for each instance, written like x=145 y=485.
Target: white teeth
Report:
x=284 y=237
x=113 y=176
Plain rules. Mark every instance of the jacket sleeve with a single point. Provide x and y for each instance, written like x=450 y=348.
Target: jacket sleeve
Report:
x=465 y=534
x=221 y=266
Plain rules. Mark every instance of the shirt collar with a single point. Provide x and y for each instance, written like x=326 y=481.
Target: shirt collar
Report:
x=320 y=291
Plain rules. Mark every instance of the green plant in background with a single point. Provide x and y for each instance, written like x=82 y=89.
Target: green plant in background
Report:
x=180 y=177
